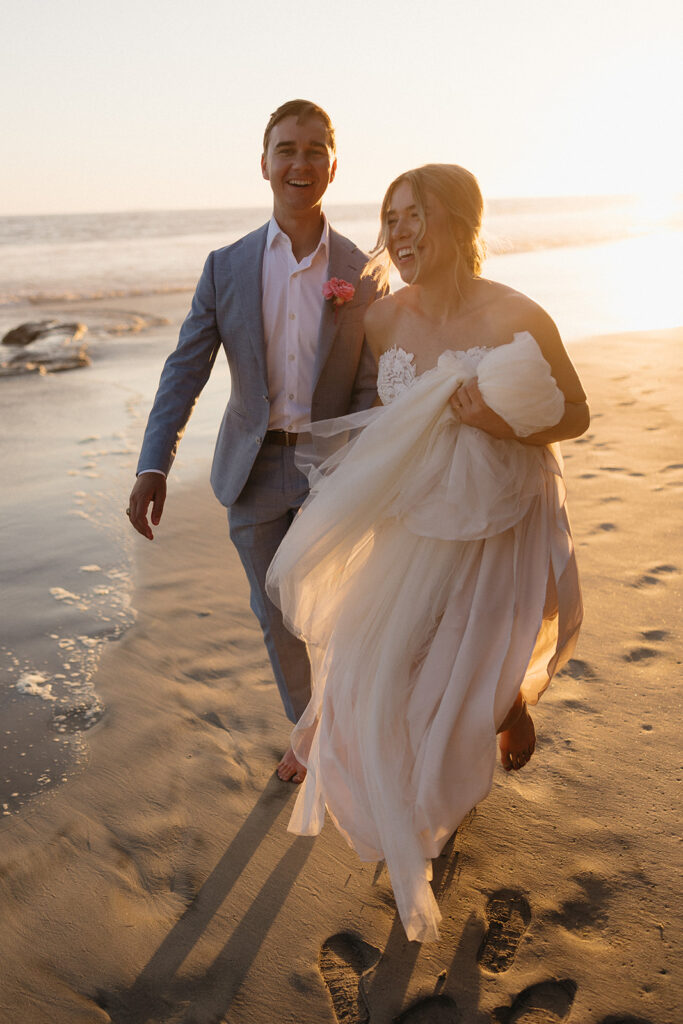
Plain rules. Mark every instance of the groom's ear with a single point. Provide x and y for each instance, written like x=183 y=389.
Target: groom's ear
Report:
x=333 y=170
x=264 y=167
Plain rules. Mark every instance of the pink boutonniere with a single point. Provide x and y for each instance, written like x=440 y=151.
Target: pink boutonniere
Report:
x=338 y=292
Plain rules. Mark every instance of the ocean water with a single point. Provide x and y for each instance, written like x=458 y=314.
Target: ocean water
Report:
x=76 y=256
x=628 y=280
x=68 y=441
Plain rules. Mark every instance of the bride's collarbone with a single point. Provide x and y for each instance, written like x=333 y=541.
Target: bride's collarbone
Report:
x=427 y=349
x=455 y=335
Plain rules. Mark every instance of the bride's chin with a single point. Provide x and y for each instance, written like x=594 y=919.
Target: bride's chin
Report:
x=407 y=274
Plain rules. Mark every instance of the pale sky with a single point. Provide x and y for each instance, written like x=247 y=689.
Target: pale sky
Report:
x=160 y=104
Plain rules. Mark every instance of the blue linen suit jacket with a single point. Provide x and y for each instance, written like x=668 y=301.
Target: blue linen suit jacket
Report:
x=226 y=311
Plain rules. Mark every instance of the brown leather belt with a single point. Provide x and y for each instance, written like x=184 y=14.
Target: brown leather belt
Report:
x=283 y=437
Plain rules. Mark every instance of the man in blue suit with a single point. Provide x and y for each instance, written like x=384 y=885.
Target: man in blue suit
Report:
x=294 y=357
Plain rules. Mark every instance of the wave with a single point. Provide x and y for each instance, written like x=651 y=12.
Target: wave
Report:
x=56 y=296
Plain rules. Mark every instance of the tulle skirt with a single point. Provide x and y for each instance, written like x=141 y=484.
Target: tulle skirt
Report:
x=432 y=575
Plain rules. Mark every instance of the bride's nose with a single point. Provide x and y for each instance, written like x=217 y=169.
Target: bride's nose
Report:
x=402 y=227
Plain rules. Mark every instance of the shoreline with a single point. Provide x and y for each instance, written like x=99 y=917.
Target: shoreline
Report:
x=69 y=450
x=160 y=882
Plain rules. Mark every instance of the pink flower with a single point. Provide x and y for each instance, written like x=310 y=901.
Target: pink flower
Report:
x=339 y=291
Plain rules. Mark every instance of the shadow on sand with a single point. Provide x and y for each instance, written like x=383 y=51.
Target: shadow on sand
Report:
x=160 y=992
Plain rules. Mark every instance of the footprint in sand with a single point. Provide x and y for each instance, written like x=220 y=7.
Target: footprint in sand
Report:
x=653 y=635
x=640 y=654
x=508 y=915
x=577 y=669
x=673 y=474
x=545 y=1003
x=343 y=961
x=433 y=1010
x=652 y=577
x=587 y=911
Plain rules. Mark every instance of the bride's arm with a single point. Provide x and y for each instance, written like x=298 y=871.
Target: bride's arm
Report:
x=574 y=423
x=470 y=407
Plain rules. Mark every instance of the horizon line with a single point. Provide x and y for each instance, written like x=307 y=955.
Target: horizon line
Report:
x=637 y=196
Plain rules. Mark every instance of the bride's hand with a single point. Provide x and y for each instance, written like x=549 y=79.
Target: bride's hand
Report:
x=470 y=408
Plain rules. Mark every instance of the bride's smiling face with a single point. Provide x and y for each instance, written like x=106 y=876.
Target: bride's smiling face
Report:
x=419 y=246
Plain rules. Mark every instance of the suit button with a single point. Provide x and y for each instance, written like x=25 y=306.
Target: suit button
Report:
x=258 y=440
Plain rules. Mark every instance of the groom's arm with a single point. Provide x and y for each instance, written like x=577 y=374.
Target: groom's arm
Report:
x=364 y=393
x=365 y=384
x=183 y=377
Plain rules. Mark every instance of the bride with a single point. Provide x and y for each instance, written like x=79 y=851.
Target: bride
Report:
x=431 y=571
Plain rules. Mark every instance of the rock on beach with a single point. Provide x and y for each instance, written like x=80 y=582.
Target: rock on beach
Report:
x=45 y=346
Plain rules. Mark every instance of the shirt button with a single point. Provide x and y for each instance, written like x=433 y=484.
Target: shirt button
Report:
x=290 y=397
x=292 y=316
x=291 y=357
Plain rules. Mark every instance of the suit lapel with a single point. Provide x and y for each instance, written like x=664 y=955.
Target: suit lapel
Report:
x=346 y=262
x=247 y=267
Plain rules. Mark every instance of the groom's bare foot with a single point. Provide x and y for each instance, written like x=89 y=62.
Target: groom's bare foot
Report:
x=289 y=769
x=517 y=743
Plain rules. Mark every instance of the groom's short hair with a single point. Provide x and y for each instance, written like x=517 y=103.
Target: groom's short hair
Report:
x=302 y=110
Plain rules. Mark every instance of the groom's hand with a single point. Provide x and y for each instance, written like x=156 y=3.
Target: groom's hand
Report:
x=148 y=488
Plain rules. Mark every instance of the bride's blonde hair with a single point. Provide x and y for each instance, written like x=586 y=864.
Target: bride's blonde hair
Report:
x=458 y=192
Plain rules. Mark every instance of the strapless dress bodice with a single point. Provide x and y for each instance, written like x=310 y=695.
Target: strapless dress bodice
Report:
x=396 y=369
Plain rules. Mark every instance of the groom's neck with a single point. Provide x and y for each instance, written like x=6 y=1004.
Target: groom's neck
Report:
x=303 y=230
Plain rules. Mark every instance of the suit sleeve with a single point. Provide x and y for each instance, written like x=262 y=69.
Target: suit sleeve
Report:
x=185 y=373
x=365 y=384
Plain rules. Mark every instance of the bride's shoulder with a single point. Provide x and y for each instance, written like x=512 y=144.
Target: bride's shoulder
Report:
x=512 y=312
x=388 y=307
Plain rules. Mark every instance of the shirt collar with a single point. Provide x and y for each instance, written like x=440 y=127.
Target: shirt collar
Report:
x=276 y=234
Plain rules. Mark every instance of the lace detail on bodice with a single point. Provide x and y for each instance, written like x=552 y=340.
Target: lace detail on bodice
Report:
x=396 y=369
x=395 y=373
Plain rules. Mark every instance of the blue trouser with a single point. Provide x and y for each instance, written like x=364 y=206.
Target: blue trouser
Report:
x=258 y=520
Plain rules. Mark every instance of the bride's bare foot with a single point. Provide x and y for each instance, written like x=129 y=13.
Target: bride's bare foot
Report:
x=289 y=769
x=518 y=742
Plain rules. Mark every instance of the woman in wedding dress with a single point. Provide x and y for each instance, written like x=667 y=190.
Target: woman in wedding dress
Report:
x=431 y=571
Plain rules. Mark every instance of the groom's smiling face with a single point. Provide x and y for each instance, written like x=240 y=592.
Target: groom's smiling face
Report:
x=299 y=164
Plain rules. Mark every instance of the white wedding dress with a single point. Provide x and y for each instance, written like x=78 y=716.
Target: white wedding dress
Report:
x=431 y=573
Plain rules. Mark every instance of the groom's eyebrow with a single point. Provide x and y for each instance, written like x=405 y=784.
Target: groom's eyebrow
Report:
x=287 y=144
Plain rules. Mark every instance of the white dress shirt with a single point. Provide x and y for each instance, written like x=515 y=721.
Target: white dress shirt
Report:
x=292 y=303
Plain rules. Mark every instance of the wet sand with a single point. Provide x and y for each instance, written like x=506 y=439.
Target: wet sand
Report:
x=160 y=884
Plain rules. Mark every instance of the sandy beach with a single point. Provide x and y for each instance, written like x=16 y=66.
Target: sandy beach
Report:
x=160 y=884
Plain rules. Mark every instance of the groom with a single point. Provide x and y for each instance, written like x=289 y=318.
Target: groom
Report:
x=294 y=358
